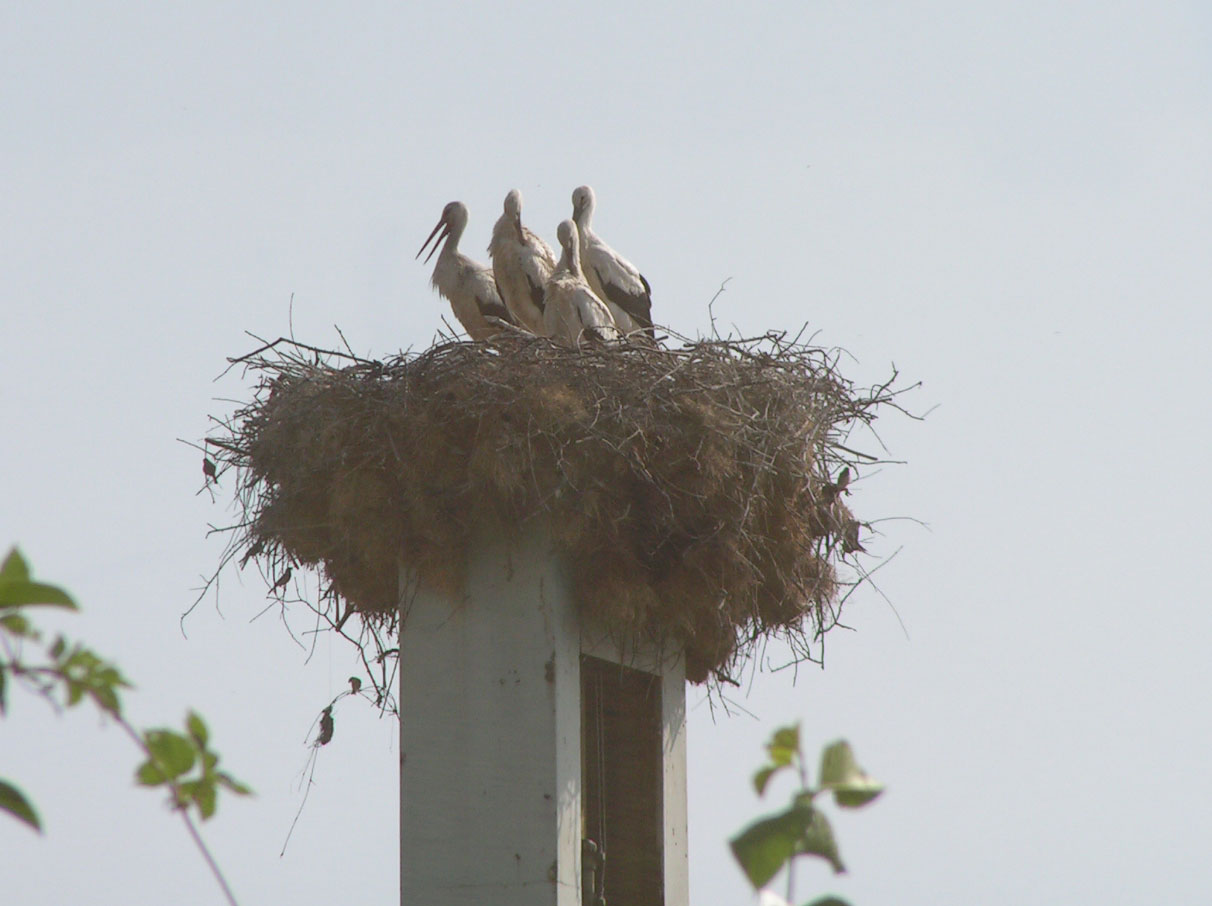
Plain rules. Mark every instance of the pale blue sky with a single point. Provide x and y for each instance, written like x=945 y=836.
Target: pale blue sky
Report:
x=1011 y=201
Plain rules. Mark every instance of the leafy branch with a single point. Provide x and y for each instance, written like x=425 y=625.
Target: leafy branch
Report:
x=770 y=844
x=182 y=763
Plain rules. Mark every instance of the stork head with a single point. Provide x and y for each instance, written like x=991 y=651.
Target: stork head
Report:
x=513 y=210
x=570 y=251
x=566 y=232
x=582 y=205
x=453 y=220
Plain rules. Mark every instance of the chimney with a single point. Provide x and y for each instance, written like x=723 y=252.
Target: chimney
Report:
x=541 y=762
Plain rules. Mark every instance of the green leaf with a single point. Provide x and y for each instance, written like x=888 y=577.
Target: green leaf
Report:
x=828 y=901
x=766 y=845
x=762 y=777
x=81 y=660
x=233 y=784
x=75 y=692
x=12 y=800
x=818 y=840
x=14 y=568
x=106 y=698
x=17 y=589
x=857 y=793
x=851 y=785
x=149 y=775
x=197 y=729
x=16 y=593
x=56 y=650
x=87 y=674
x=204 y=795
x=17 y=624
x=173 y=753
x=837 y=763
x=111 y=677
x=784 y=745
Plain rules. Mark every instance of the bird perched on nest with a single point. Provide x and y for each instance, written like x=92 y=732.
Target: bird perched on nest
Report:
x=466 y=284
x=573 y=313
x=616 y=280
x=522 y=263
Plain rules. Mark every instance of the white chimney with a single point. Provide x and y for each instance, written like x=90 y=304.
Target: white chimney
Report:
x=530 y=743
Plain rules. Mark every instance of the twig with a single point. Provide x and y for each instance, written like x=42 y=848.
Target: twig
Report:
x=711 y=306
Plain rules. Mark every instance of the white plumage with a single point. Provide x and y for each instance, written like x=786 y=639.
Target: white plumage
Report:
x=573 y=314
x=522 y=263
x=615 y=279
x=466 y=284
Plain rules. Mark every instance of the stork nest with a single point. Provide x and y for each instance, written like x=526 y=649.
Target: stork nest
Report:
x=695 y=491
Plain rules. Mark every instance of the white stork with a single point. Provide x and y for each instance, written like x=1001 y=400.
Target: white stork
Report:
x=522 y=264
x=467 y=285
x=572 y=312
x=615 y=279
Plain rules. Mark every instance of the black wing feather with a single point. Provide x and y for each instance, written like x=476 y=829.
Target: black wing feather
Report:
x=494 y=308
x=595 y=332
x=537 y=294
x=639 y=308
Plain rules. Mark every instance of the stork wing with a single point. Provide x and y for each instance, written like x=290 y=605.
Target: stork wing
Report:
x=594 y=331
x=493 y=308
x=638 y=305
x=593 y=318
x=537 y=293
x=543 y=250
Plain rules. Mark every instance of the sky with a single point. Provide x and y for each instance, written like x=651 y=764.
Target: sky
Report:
x=1008 y=201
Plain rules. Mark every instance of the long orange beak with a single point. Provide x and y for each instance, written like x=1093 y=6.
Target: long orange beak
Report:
x=436 y=245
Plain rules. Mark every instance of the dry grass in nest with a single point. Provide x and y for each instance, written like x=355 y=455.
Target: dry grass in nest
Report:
x=696 y=491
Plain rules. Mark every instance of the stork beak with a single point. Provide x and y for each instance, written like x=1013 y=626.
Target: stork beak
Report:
x=517 y=225
x=436 y=245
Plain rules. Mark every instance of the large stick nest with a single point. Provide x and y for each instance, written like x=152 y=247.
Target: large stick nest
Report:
x=696 y=492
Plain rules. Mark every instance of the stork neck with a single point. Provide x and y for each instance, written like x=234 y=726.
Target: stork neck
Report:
x=573 y=256
x=456 y=233
x=582 y=218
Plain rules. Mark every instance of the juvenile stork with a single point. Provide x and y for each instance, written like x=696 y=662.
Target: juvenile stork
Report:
x=522 y=264
x=466 y=284
x=615 y=279
x=573 y=313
